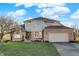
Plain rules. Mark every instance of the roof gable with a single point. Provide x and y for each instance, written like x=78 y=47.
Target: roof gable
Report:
x=43 y=19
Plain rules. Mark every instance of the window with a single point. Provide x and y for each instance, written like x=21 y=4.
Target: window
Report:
x=38 y=24
x=38 y=34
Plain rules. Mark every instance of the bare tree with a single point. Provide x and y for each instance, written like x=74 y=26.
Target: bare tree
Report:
x=7 y=25
x=75 y=32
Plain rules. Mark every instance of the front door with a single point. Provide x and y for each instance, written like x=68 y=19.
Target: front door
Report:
x=28 y=35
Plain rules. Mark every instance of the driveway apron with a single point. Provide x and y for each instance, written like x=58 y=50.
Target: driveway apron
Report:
x=67 y=49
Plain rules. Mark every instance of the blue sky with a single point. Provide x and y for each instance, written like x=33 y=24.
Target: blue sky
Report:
x=67 y=13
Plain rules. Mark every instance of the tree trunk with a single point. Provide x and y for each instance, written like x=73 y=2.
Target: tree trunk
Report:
x=74 y=36
x=1 y=41
x=11 y=36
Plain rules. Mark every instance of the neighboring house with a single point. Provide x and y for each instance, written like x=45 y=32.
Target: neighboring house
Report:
x=47 y=30
x=17 y=36
x=16 y=33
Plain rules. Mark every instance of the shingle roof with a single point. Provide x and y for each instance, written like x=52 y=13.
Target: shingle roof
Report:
x=42 y=18
x=57 y=27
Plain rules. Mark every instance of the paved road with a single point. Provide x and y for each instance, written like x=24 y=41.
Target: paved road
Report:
x=67 y=49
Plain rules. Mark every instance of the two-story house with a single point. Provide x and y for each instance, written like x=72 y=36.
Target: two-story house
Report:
x=45 y=29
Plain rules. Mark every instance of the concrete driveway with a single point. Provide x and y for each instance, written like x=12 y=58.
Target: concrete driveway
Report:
x=67 y=49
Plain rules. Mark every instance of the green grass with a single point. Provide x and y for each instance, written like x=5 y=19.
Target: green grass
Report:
x=28 y=49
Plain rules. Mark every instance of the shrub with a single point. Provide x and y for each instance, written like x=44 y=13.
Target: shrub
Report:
x=36 y=41
x=46 y=41
x=6 y=41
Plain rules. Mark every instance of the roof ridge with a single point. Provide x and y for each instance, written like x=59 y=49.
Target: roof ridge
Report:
x=48 y=19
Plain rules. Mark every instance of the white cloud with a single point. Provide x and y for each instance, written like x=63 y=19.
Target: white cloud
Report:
x=18 y=4
x=61 y=10
x=25 y=4
x=56 y=17
x=68 y=23
x=20 y=12
x=54 y=12
x=44 y=5
x=49 y=5
x=29 y=18
x=17 y=13
x=50 y=10
x=38 y=10
x=54 y=6
x=39 y=5
x=28 y=5
x=75 y=15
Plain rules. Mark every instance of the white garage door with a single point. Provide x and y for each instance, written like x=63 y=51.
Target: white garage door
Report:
x=58 y=37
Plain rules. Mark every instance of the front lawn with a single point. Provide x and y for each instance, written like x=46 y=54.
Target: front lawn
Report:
x=28 y=49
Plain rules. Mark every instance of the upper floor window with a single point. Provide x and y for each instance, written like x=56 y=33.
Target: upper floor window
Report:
x=39 y=24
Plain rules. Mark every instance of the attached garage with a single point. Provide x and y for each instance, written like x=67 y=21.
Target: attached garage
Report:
x=58 y=37
x=58 y=34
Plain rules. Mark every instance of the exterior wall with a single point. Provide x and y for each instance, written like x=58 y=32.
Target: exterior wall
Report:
x=28 y=26
x=39 y=25
x=35 y=26
x=45 y=35
x=69 y=31
x=17 y=36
